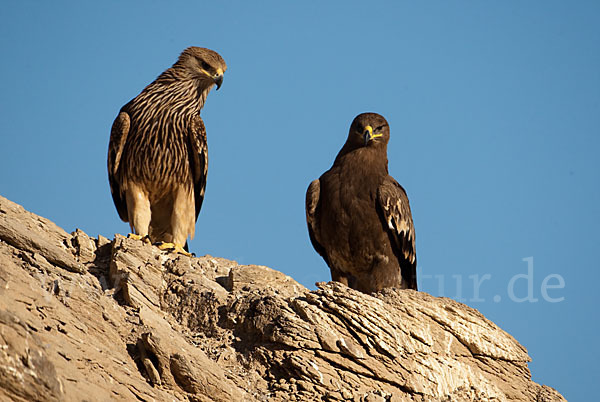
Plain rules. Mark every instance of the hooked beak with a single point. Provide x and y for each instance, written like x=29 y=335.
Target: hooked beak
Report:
x=218 y=80
x=369 y=136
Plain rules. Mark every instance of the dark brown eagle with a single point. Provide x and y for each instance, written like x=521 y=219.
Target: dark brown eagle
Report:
x=157 y=154
x=358 y=216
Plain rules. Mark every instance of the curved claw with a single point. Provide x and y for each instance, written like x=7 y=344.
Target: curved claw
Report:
x=174 y=247
x=134 y=236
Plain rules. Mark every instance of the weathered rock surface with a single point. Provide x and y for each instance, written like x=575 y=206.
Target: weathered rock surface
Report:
x=98 y=320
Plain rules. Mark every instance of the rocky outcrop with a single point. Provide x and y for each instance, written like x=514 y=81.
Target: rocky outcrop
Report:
x=92 y=319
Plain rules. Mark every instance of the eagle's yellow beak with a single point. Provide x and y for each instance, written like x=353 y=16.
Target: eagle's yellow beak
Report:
x=369 y=136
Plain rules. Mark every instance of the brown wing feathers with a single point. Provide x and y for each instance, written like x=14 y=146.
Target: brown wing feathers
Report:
x=118 y=137
x=198 y=157
x=397 y=219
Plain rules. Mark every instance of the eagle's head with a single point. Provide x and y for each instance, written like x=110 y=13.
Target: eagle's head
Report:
x=369 y=130
x=204 y=65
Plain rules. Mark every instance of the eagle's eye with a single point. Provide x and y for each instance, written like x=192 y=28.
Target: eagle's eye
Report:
x=378 y=129
x=205 y=65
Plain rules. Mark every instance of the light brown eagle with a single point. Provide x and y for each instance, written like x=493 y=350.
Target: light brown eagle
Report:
x=157 y=154
x=358 y=216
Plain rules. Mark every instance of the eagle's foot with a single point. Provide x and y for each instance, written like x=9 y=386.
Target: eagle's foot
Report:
x=134 y=236
x=175 y=248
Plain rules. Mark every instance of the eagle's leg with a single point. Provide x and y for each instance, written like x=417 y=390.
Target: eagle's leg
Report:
x=138 y=209
x=183 y=220
x=338 y=276
x=385 y=274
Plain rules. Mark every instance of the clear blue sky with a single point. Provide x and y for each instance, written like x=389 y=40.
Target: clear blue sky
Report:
x=494 y=108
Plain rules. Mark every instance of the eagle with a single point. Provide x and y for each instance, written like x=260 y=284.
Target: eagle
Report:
x=358 y=216
x=157 y=153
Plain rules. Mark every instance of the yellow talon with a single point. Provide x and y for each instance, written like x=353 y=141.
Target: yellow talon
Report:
x=166 y=246
x=180 y=250
x=176 y=248
x=134 y=236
